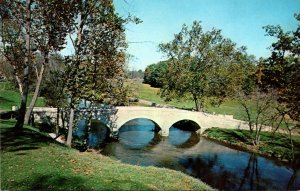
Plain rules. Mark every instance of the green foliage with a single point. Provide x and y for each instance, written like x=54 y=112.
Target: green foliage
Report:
x=281 y=71
x=28 y=27
x=202 y=65
x=99 y=56
x=54 y=83
x=99 y=53
x=154 y=74
x=46 y=125
x=33 y=161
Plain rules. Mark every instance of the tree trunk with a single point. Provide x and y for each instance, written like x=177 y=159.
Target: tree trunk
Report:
x=18 y=81
x=277 y=127
x=197 y=104
x=70 y=130
x=292 y=179
x=22 y=110
x=77 y=52
x=63 y=119
x=292 y=144
x=57 y=121
x=36 y=91
x=19 y=84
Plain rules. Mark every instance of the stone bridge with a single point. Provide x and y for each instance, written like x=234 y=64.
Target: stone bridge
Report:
x=164 y=118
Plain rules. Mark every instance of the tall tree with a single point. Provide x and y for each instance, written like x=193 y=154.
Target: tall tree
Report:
x=197 y=64
x=281 y=71
x=99 y=54
x=51 y=22
x=26 y=67
x=42 y=23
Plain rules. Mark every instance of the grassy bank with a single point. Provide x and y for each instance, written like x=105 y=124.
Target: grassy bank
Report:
x=274 y=147
x=33 y=161
x=10 y=96
x=146 y=92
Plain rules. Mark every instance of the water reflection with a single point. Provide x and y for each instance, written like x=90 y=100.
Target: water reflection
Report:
x=183 y=139
x=292 y=184
x=214 y=170
x=135 y=136
x=217 y=165
x=251 y=174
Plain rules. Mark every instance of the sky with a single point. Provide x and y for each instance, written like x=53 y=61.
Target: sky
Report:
x=239 y=20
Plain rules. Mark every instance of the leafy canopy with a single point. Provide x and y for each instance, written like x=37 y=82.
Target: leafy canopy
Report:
x=201 y=64
x=281 y=71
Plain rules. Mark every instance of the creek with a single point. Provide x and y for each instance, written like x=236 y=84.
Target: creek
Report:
x=217 y=165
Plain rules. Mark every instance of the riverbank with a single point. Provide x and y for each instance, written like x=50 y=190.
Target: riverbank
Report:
x=277 y=147
x=34 y=161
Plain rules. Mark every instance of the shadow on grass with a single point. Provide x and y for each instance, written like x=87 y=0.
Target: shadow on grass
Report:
x=53 y=182
x=5 y=100
x=6 y=103
x=236 y=135
x=12 y=141
x=240 y=136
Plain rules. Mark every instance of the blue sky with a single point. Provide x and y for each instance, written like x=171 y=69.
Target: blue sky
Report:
x=239 y=20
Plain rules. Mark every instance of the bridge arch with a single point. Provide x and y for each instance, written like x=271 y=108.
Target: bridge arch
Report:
x=157 y=128
x=187 y=124
x=156 y=118
x=161 y=125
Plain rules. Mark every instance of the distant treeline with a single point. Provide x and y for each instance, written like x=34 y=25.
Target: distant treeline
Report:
x=154 y=74
x=134 y=74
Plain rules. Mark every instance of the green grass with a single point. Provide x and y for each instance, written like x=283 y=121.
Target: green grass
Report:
x=277 y=146
x=229 y=107
x=10 y=96
x=33 y=161
x=146 y=92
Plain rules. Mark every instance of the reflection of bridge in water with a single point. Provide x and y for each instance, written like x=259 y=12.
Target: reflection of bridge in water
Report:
x=164 y=118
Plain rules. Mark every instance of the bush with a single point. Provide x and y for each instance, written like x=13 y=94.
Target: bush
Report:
x=46 y=125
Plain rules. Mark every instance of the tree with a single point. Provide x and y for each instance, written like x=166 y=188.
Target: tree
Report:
x=46 y=24
x=198 y=65
x=53 y=87
x=51 y=23
x=259 y=109
x=99 y=54
x=281 y=71
x=154 y=73
x=27 y=24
